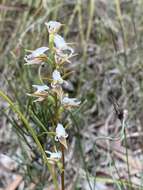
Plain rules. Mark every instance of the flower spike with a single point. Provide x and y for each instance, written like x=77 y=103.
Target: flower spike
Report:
x=55 y=75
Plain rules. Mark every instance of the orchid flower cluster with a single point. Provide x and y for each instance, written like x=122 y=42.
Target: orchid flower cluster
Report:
x=56 y=55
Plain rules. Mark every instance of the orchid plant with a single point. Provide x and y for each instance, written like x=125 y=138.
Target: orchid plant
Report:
x=56 y=55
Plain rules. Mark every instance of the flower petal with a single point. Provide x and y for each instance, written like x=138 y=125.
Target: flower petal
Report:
x=53 y=26
x=63 y=141
x=41 y=88
x=36 y=56
x=60 y=130
x=57 y=77
x=39 y=51
x=70 y=101
x=61 y=44
x=54 y=156
x=61 y=135
x=33 y=61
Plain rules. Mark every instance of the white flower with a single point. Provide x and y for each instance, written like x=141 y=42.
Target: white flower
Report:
x=54 y=156
x=61 y=135
x=53 y=26
x=61 y=45
x=57 y=79
x=34 y=57
x=59 y=42
x=38 y=51
x=41 y=92
x=70 y=102
x=57 y=76
x=41 y=88
x=60 y=132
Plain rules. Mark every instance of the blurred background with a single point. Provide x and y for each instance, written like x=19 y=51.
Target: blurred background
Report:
x=107 y=78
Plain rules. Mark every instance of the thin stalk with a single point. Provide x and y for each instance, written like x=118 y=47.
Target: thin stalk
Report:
x=127 y=157
x=90 y=22
x=81 y=29
x=124 y=35
x=63 y=169
x=71 y=20
x=113 y=177
x=121 y=186
x=39 y=74
x=38 y=121
x=51 y=41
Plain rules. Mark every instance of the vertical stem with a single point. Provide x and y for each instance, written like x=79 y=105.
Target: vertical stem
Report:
x=51 y=41
x=124 y=35
x=127 y=158
x=63 y=168
x=39 y=74
x=53 y=172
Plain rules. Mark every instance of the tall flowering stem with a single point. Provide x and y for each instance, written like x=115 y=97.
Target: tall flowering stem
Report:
x=56 y=55
x=63 y=168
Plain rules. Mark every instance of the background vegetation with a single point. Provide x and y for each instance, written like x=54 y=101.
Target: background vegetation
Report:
x=107 y=36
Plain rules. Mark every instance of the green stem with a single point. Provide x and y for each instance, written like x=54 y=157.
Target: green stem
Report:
x=39 y=74
x=63 y=168
x=51 y=41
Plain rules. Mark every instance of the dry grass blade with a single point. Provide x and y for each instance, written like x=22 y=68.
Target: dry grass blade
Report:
x=14 y=185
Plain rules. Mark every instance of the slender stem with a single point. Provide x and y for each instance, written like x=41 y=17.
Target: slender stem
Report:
x=63 y=168
x=39 y=74
x=127 y=158
x=51 y=41
x=124 y=35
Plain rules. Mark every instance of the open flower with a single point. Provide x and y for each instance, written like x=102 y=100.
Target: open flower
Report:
x=61 y=58
x=57 y=79
x=41 y=88
x=70 y=102
x=61 y=46
x=61 y=135
x=41 y=93
x=53 y=156
x=53 y=26
x=37 y=56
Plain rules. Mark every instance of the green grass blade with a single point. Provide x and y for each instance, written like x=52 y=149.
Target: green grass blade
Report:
x=32 y=132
